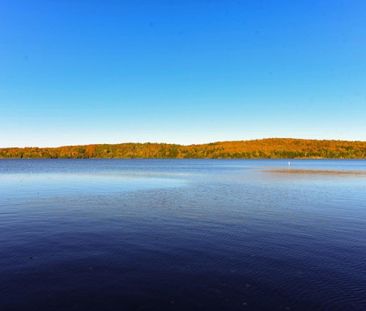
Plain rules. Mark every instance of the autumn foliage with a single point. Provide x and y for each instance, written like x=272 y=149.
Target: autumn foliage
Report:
x=273 y=148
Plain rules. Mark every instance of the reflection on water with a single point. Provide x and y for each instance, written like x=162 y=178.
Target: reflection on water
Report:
x=181 y=235
x=24 y=185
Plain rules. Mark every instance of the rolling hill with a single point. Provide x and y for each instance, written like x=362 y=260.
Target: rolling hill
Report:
x=271 y=148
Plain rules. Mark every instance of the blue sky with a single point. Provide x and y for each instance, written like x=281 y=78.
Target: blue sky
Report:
x=78 y=71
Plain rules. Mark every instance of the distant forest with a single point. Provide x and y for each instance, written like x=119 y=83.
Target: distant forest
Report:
x=271 y=148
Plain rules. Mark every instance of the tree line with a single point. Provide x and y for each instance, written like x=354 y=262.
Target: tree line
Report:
x=270 y=148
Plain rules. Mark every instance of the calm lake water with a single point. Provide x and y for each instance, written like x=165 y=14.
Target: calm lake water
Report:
x=181 y=235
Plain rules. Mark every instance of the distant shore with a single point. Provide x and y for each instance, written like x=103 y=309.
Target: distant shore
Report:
x=269 y=148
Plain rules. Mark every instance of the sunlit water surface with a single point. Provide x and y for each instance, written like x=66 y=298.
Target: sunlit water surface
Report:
x=181 y=235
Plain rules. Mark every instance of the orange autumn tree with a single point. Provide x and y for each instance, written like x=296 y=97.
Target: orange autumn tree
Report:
x=271 y=148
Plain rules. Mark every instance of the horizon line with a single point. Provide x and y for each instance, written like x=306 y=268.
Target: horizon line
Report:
x=193 y=144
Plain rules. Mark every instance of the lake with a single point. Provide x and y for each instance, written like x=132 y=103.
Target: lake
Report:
x=182 y=235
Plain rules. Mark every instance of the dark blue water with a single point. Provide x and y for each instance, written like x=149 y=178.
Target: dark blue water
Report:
x=181 y=235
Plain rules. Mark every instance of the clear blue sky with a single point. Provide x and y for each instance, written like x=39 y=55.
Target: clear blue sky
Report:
x=83 y=71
